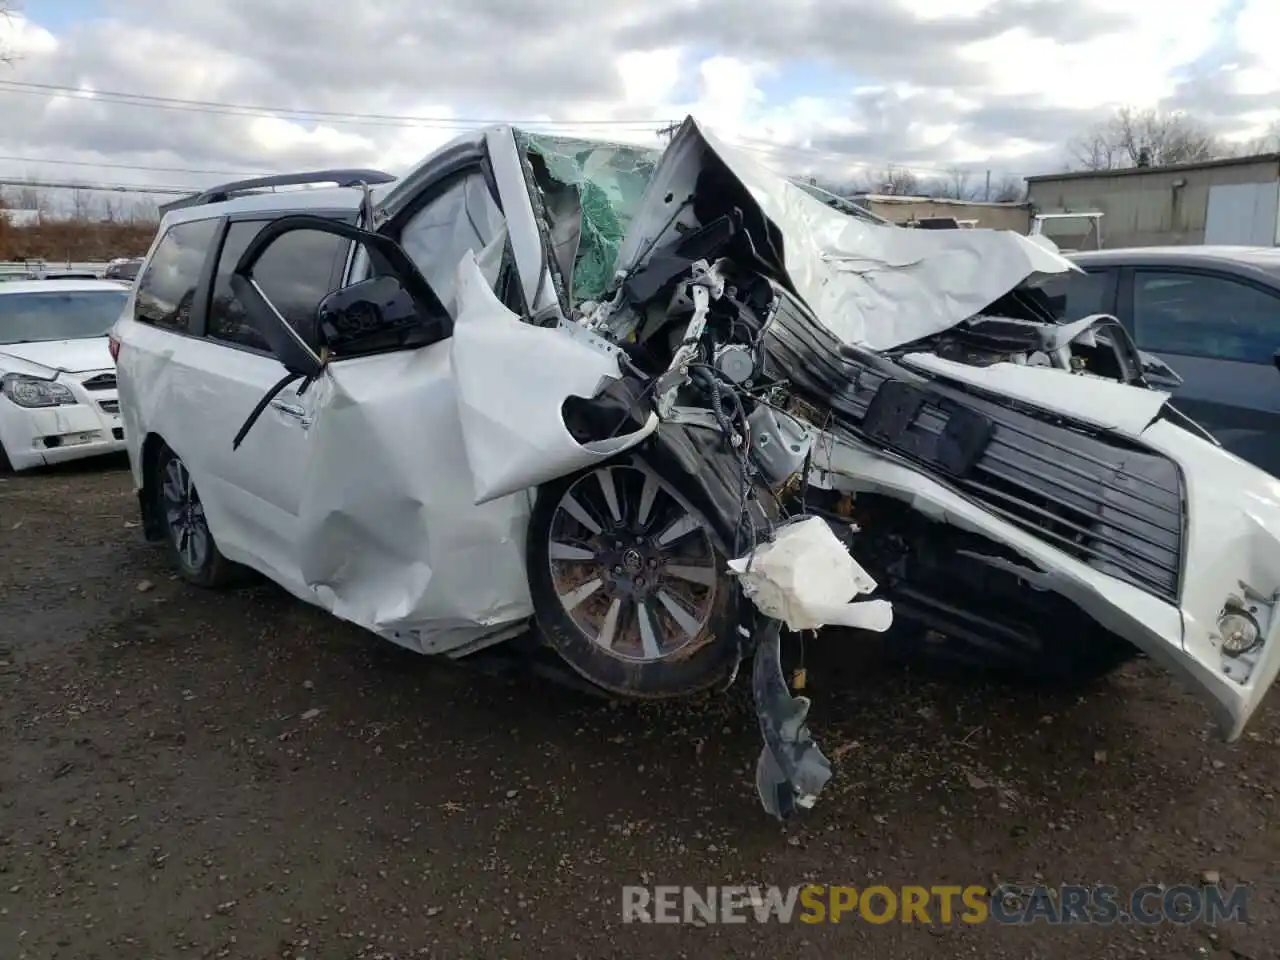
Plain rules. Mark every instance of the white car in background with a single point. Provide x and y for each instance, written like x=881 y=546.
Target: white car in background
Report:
x=57 y=376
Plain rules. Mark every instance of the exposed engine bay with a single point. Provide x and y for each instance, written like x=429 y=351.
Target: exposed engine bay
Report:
x=709 y=326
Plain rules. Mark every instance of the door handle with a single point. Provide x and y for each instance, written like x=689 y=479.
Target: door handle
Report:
x=292 y=410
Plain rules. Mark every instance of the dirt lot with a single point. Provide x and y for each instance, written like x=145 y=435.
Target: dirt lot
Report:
x=168 y=789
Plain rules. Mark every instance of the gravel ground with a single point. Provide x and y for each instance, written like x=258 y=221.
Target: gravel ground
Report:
x=189 y=774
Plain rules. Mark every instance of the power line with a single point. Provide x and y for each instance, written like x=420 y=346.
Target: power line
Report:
x=132 y=166
x=665 y=128
x=106 y=187
x=51 y=90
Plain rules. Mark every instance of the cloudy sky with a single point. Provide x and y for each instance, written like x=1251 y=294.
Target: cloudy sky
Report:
x=180 y=94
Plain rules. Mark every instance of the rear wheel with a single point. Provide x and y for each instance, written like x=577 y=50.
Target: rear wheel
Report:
x=189 y=540
x=627 y=585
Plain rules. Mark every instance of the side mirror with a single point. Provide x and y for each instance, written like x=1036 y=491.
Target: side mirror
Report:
x=366 y=314
x=397 y=296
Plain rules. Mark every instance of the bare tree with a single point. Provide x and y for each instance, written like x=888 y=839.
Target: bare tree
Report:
x=1133 y=138
x=112 y=209
x=954 y=186
x=1008 y=189
x=144 y=210
x=1269 y=142
x=81 y=204
x=898 y=181
x=6 y=13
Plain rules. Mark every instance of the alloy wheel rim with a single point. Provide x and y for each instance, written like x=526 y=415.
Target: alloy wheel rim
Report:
x=184 y=514
x=632 y=567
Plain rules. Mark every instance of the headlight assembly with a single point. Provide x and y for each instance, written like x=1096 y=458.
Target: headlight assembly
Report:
x=28 y=391
x=1239 y=630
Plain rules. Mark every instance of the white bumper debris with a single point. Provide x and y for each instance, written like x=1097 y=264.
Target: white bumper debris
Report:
x=806 y=578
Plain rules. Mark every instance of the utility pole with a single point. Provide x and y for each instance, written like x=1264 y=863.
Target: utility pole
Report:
x=987 y=195
x=668 y=131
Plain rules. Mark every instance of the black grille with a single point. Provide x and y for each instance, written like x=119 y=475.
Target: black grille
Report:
x=109 y=406
x=1112 y=504
x=103 y=381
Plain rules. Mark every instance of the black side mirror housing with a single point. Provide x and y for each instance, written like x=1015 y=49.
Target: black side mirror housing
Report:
x=366 y=313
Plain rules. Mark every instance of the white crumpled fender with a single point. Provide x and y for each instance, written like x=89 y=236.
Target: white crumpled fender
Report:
x=512 y=380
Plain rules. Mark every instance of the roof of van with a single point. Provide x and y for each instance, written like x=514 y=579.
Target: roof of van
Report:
x=301 y=201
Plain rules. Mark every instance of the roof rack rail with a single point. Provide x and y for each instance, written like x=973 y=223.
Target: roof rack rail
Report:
x=339 y=178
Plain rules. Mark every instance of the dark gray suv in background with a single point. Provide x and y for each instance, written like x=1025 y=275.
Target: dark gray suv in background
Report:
x=1213 y=315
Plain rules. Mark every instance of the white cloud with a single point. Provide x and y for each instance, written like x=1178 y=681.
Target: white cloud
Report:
x=1132 y=64
x=825 y=87
x=19 y=37
x=650 y=77
x=1256 y=30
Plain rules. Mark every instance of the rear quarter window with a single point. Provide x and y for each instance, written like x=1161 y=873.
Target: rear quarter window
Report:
x=167 y=287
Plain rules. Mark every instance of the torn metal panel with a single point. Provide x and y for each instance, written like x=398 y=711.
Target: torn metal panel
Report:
x=512 y=380
x=879 y=286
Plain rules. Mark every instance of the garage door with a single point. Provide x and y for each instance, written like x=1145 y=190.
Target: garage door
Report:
x=1243 y=213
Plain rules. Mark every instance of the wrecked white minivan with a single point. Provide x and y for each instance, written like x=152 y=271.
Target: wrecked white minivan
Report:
x=658 y=403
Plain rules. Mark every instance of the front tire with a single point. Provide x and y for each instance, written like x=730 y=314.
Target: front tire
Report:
x=189 y=541
x=627 y=585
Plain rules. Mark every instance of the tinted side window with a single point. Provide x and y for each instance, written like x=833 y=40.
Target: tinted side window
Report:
x=463 y=217
x=167 y=289
x=295 y=273
x=227 y=318
x=1200 y=315
x=1076 y=295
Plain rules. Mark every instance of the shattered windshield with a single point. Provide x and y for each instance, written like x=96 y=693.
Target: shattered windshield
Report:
x=591 y=191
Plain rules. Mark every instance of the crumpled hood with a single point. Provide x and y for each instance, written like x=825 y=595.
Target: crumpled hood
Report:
x=879 y=286
x=70 y=356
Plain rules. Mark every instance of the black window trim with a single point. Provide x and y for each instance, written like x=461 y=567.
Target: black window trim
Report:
x=200 y=297
x=1126 y=300
x=210 y=270
x=343 y=272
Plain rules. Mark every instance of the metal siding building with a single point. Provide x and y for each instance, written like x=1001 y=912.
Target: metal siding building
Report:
x=1234 y=201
